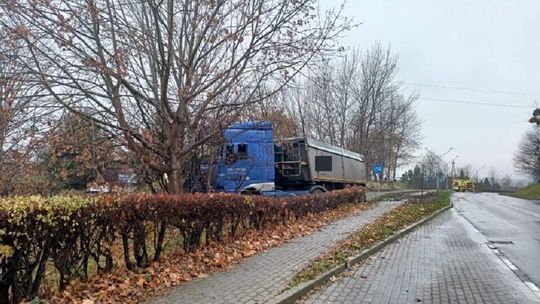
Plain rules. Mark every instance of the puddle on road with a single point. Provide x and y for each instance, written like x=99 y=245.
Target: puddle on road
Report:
x=501 y=242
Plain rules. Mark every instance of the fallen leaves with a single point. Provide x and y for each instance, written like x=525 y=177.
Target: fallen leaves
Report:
x=122 y=286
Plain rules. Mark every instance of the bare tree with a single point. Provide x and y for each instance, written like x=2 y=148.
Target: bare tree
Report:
x=15 y=90
x=527 y=157
x=433 y=167
x=378 y=68
x=506 y=182
x=319 y=103
x=24 y=115
x=329 y=98
x=493 y=175
x=357 y=103
x=403 y=134
x=168 y=75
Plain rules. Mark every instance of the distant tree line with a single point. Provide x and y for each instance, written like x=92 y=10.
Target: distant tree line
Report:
x=430 y=171
x=424 y=174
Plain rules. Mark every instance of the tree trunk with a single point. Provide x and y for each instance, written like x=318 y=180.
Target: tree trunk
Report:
x=125 y=244
x=210 y=172
x=4 y=291
x=139 y=246
x=176 y=175
x=176 y=182
x=159 y=242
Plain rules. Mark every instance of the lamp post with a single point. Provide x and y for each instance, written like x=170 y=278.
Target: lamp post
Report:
x=477 y=170
x=453 y=161
x=440 y=157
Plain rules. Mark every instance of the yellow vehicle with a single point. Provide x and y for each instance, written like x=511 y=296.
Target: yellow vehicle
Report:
x=463 y=185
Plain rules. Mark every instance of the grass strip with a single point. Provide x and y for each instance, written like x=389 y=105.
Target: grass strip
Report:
x=530 y=192
x=382 y=228
x=393 y=196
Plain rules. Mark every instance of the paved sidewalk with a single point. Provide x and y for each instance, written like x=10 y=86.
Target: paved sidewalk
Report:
x=263 y=276
x=444 y=261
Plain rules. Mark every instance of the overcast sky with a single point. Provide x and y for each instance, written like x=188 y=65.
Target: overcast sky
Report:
x=477 y=45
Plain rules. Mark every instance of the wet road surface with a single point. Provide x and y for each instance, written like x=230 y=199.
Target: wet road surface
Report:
x=511 y=224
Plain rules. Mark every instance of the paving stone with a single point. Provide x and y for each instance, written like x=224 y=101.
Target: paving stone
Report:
x=437 y=263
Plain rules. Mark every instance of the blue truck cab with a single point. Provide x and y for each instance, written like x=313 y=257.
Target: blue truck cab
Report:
x=247 y=157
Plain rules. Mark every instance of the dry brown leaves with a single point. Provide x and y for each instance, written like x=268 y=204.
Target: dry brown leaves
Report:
x=122 y=286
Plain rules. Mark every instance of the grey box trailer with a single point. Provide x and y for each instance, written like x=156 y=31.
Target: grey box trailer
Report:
x=301 y=162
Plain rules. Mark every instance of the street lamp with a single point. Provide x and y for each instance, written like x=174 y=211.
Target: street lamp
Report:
x=445 y=153
x=452 y=172
x=477 y=170
x=452 y=160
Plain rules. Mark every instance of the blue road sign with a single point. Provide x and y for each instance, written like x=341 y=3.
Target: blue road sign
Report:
x=378 y=168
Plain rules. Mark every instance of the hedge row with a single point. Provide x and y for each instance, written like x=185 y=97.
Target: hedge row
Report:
x=68 y=234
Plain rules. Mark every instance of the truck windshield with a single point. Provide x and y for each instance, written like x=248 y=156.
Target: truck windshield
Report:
x=231 y=155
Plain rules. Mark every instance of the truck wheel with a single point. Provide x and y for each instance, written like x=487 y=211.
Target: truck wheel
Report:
x=250 y=191
x=317 y=190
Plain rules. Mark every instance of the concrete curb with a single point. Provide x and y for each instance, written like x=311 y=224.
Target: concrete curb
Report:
x=296 y=293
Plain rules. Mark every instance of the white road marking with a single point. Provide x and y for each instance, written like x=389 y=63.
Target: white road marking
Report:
x=532 y=286
x=509 y=264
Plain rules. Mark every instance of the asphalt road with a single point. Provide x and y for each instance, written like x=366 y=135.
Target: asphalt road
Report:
x=513 y=225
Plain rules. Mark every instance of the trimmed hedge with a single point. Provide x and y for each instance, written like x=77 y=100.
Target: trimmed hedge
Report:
x=68 y=234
